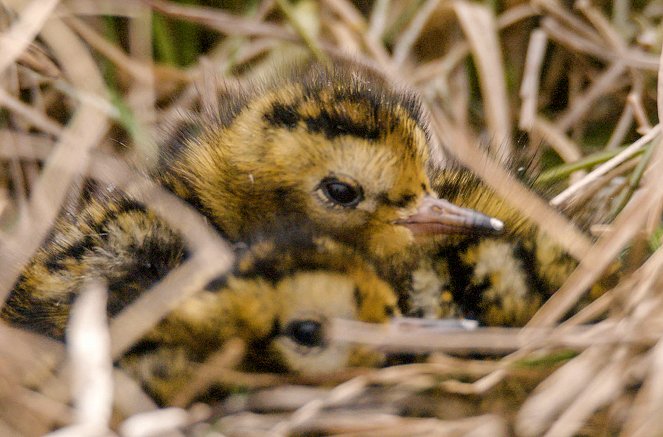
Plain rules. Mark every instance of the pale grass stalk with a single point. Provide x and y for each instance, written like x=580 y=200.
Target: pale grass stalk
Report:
x=577 y=27
x=602 y=25
x=38 y=119
x=630 y=151
x=374 y=46
x=124 y=62
x=564 y=146
x=347 y=11
x=621 y=129
x=153 y=423
x=479 y=26
x=303 y=28
x=577 y=202
x=634 y=100
x=583 y=103
x=389 y=338
x=308 y=411
x=576 y=43
x=378 y=19
x=51 y=410
x=141 y=96
x=115 y=8
x=389 y=425
x=88 y=346
x=479 y=387
x=129 y=398
x=597 y=259
x=17 y=177
x=31 y=357
x=409 y=36
x=463 y=365
x=23 y=31
x=626 y=225
x=206 y=374
x=529 y=87
x=505 y=185
x=645 y=418
x=558 y=390
x=442 y=66
x=223 y=22
x=133 y=322
x=603 y=388
x=25 y=146
x=345 y=37
x=208 y=87
x=285 y=397
x=84 y=131
x=641 y=283
x=458 y=98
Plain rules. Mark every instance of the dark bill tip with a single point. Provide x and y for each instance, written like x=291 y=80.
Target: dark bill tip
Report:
x=440 y=217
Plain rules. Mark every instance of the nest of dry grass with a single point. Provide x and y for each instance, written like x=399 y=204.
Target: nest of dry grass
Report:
x=571 y=89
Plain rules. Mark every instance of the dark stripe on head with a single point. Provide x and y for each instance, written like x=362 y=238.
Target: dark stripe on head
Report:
x=335 y=125
x=281 y=115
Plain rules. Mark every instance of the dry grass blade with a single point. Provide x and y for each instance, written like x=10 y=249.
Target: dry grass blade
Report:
x=630 y=151
x=39 y=120
x=207 y=374
x=559 y=142
x=479 y=25
x=505 y=185
x=67 y=160
x=645 y=419
x=557 y=391
x=529 y=87
x=486 y=340
x=602 y=86
x=223 y=22
x=89 y=352
x=23 y=31
x=159 y=422
x=579 y=80
x=412 y=32
x=604 y=388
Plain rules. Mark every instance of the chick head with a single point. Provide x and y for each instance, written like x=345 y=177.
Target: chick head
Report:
x=337 y=145
x=283 y=298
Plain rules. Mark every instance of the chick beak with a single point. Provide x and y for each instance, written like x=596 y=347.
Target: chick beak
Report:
x=439 y=217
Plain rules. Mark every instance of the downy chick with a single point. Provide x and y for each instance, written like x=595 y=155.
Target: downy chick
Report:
x=497 y=280
x=336 y=145
x=280 y=299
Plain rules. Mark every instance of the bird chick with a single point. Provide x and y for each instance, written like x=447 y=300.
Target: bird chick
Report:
x=336 y=145
x=112 y=238
x=280 y=299
x=498 y=280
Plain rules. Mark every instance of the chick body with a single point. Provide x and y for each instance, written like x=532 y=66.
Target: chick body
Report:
x=112 y=238
x=280 y=299
x=498 y=280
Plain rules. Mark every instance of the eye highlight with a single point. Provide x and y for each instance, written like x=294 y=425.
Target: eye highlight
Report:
x=307 y=333
x=341 y=193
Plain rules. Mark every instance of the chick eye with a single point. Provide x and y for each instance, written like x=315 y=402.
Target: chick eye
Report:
x=340 y=192
x=306 y=332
